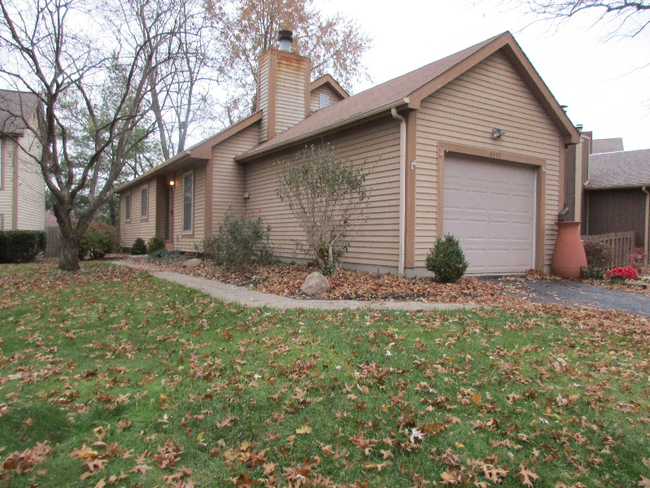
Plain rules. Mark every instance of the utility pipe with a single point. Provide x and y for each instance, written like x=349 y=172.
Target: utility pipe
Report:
x=646 y=244
x=402 y=189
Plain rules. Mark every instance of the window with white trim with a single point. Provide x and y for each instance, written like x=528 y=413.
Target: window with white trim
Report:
x=127 y=206
x=188 y=201
x=144 y=202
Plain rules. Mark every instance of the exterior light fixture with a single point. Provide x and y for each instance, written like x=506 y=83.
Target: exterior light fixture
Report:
x=172 y=183
x=498 y=133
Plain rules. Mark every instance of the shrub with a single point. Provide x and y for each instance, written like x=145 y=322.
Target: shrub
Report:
x=592 y=273
x=627 y=272
x=98 y=240
x=155 y=244
x=240 y=241
x=21 y=246
x=327 y=195
x=139 y=247
x=599 y=254
x=447 y=260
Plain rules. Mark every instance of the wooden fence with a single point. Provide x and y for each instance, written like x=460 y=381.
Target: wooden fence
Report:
x=622 y=244
x=53 y=241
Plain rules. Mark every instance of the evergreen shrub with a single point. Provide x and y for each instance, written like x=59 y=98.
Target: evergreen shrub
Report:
x=21 y=246
x=139 y=247
x=447 y=260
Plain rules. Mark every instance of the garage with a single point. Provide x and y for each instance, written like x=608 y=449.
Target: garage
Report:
x=490 y=207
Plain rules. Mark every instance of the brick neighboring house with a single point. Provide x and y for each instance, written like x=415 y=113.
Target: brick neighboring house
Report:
x=472 y=144
x=22 y=188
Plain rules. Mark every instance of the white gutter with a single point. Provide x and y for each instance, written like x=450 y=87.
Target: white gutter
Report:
x=646 y=244
x=402 y=189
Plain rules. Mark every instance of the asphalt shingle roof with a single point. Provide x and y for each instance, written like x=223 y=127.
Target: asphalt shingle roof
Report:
x=621 y=169
x=599 y=146
x=15 y=107
x=375 y=97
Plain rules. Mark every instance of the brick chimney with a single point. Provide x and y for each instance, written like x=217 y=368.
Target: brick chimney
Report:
x=282 y=87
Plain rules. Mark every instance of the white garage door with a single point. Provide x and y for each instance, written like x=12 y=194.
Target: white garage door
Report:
x=490 y=207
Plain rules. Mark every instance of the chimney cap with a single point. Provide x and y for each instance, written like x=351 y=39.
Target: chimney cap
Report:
x=285 y=35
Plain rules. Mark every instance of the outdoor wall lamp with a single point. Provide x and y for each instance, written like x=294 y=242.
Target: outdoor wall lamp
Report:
x=498 y=133
x=172 y=183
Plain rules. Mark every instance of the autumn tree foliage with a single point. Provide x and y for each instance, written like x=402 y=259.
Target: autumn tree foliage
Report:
x=335 y=44
x=327 y=195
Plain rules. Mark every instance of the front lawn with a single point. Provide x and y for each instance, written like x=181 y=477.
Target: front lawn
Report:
x=113 y=378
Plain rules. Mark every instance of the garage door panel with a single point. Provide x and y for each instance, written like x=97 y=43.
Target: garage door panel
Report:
x=489 y=206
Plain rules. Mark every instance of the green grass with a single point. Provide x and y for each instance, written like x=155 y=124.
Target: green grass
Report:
x=147 y=373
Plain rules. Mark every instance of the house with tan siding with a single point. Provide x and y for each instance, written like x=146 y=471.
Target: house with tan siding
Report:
x=472 y=145
x=22 y=188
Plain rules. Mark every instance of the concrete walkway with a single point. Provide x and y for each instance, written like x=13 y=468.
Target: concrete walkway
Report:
x=251 y=298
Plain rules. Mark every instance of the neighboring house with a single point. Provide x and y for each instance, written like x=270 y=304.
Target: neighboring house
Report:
x=472 y=144
x=22 y=188
x=610 y=188
x=618 y=194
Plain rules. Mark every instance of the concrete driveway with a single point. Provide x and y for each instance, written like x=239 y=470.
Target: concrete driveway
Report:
x=572 y=293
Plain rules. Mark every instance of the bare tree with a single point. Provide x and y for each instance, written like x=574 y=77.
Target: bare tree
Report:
x=89 y=69
x=626 y=17
x=327 y=195
x=336 y=45
x=181 y=89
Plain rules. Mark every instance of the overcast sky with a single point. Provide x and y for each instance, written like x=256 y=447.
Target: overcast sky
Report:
x=600 y=80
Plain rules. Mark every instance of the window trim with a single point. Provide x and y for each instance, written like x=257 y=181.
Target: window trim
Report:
x=189 y=231
x=128 y=203
x=144 y=210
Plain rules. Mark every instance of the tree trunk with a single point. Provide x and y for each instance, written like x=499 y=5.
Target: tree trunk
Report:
x=113 y=211
x=69 y=257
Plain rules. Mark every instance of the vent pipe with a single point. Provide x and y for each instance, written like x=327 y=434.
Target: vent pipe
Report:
x=286 y=38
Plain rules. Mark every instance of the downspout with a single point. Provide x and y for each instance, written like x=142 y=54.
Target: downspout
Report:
x=402 y=189
x=646 y=244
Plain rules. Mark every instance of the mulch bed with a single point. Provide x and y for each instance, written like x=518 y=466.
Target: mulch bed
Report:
x=285 y=280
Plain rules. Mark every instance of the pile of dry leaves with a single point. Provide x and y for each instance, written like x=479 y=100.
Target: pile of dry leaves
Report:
x=285 y=280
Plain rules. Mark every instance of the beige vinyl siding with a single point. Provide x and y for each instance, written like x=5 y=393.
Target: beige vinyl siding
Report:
x=263 y=95
x=314 y=99
x=6 y=184
x=228 y=182
x=290 y=94
x=138 y=226
x=31 y=186
x=375 y=146
x=464 y=112
x=189 y=241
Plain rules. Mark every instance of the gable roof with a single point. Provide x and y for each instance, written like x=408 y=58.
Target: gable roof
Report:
x=332 y=83
x=623 y=169
x=410 y=89
x=15 y=108
x=599 y=146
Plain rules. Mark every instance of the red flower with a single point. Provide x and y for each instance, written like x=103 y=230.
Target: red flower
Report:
x=627 y=272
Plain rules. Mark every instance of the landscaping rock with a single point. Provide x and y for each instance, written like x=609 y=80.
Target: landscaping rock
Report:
x=193 y=263
x=315 y=284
